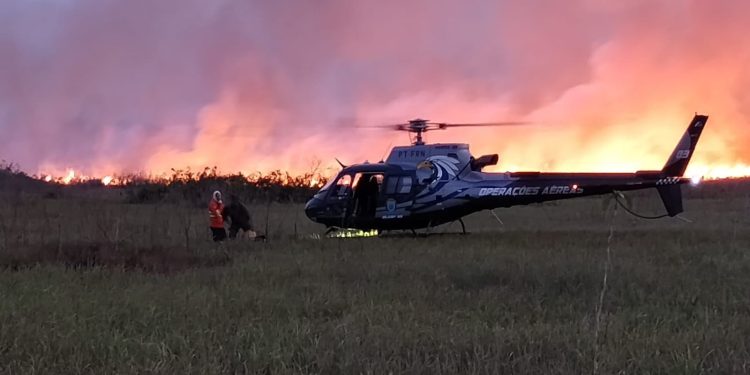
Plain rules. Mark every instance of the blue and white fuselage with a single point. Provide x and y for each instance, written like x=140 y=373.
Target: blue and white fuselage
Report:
x=426 y=185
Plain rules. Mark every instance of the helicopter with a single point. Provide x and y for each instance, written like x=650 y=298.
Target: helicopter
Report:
x=425 y=185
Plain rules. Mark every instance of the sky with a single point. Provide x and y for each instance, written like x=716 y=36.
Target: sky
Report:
x=105 y=86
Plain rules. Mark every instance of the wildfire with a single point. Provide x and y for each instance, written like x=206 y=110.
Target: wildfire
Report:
x=697 y=174
x=72 y=177
x=69 y=177
x=615 y=81
x=573 y=148
x=719 y=172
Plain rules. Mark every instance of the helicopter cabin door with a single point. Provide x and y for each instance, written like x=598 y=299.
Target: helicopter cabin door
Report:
x=367 y=188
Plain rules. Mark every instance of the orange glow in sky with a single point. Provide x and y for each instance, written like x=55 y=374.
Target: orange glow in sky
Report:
x=100 y=89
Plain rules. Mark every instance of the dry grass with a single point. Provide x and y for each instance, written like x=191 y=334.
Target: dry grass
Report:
x=518 y=298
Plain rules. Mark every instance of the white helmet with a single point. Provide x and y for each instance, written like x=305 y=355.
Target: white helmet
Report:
x=217 y=195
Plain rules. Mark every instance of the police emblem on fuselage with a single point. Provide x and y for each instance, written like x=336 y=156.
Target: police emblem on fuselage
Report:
x=390 y=205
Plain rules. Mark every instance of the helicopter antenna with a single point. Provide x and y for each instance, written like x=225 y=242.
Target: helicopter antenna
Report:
x=382 y=158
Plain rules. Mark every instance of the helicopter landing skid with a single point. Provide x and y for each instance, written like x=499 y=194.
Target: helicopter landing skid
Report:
x=428 y=231
x=408 y=234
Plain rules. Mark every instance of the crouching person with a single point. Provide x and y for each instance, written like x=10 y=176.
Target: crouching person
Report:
x=239 y=218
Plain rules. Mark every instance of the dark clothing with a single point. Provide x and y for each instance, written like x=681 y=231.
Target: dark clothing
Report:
x=219 y=234
x=366 y=197
x=239 y=216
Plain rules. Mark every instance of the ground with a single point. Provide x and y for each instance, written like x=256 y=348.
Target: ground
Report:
x=97 y=286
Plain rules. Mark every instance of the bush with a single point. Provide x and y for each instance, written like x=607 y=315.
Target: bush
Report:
x=185 y=186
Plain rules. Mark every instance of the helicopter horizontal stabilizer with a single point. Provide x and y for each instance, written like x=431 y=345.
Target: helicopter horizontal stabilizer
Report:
x=678 y=161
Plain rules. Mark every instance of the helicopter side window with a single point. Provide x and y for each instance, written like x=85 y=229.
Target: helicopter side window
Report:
x=390 y=185
x=343 y=185
x=404 y=185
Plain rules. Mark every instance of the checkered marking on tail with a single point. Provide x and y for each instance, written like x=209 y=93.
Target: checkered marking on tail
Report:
x=668 y=181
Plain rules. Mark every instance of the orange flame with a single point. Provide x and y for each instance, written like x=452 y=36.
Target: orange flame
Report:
x=69 y=177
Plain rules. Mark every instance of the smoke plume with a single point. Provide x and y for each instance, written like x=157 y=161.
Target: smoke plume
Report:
x=110 y=86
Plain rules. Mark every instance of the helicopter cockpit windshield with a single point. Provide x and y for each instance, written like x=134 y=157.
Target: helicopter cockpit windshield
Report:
x=327 y=185
x=341 y=180
x=343 y=185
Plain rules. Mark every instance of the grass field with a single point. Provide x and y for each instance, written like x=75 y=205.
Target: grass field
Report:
x=92 y=285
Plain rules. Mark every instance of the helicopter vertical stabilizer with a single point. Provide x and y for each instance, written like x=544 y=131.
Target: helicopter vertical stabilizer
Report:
x=678 y=161
x=669 y=189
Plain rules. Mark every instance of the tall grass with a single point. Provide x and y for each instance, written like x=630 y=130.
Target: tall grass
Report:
x=524 y=300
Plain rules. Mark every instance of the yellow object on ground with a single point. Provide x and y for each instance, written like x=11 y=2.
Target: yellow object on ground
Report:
x=352 y=233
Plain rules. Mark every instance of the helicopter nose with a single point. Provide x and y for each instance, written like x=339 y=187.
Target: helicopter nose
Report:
x=312 y=207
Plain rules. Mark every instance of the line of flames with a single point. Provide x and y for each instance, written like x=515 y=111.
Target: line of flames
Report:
x=71 y=177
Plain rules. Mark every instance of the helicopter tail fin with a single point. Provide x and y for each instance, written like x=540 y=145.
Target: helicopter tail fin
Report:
x=678 y=161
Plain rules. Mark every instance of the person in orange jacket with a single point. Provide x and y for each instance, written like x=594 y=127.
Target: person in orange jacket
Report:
x=216 y=220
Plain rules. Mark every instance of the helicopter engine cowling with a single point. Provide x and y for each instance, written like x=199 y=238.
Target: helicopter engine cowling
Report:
x=483 y=161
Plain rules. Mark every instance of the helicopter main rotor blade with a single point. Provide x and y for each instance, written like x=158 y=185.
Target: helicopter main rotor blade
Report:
x=506 y=123
x=392 y=126
x=415 y=126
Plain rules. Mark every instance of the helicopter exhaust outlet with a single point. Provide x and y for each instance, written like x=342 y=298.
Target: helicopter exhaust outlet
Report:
x=483 y=161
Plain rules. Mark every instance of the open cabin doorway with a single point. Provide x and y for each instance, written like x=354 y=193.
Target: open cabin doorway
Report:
x=367 y=188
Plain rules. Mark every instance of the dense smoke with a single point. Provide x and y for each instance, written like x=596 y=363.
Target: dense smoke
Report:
x=110 y=86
